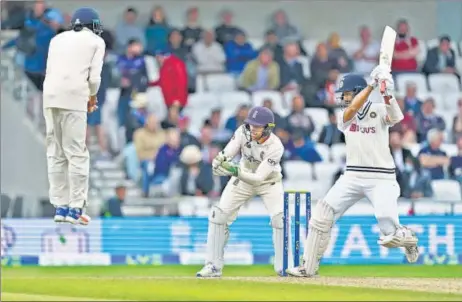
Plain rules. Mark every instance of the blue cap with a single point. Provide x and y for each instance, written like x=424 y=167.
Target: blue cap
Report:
x=54 y=15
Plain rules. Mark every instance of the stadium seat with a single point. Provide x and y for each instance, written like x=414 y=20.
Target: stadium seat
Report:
x=234 y=99
x=156 y=103
x=278 y=105
x=152 y=68
x=338 y=152
x=351 y=46
x=444 y=83
x=200 y=83
x=450 y=101
x=297 y=169
x=203 y=100
x=415 y=149
x=324 y=151
x=305 y=61
x=417 y=78
x=446 y=190
x=220 y=83
x=197 y=117
x=422 y=52
x=450 y=149
x=436 y=96
x=319 y=116
x=256 y=43
x=310 y=46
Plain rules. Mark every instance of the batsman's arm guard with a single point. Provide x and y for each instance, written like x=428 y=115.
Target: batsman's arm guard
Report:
x=94 y=77
x=394 y=113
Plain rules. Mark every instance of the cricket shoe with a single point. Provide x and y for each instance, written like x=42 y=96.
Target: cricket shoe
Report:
x=61 y=214
x=209 y=271
x=75 y=216
x=412 y=253
x=300 y=272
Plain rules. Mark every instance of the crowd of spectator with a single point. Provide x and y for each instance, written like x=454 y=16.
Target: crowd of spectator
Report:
x=183 y=53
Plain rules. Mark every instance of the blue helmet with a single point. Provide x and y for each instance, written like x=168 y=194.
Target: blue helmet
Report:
x=86 y=17
x=351 y=83
x=260 y=117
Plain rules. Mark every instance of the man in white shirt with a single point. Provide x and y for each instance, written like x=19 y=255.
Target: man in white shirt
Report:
x=258 y=173
x=73 y=76
x=367 y=56
x=209 y=54
x=369 y=173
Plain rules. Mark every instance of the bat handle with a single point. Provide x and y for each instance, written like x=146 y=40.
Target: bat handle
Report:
x=382 y=87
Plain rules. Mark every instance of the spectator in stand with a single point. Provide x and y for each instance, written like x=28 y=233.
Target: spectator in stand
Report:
x=413 y=182
x=291 y=70
x=172 y=118
x=338 y=53
x=226 y=31
x=321 y=65
x=330 y=134
x=219 y=134
x=457 y=123
x=238 y=53
x=427 y=119
x=192 y=31
x=412 y=103
x=113 y=207
x=283 y=28
x=455 y=165
x=261 y=73
x=173 y=79
x=297 y=120
x=128 y=30
x=15 y=15
x=186 y=138
x=302 y=148
x=406 y=50
x=431 y=157
x=176 y=47
x=208 y=148
x=157 y=32
x=146 y=143
x=441 y=59
x=366 y=57
x=278 y=120
x=272 y=43
x=134 y=77
x=326 y=96
x=236 y=121
x=166 y=158
x=196 y=175
x=137 y=115
x=209 y=54
x=407 y=127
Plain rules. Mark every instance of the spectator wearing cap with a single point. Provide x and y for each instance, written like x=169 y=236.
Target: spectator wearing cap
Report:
x=157 y=31
x=261 y=73
x=427 y=119
x=127 y=30
x=441 y=59
x=196 y=176
x=209 y=54
x=113 y=207
x=237 y=120
x=272 y=43
x=192 y=32
x=406 y=50
x=173 y=79
x=238 y=53
x=226 y=31
x=132 y=68
x=431 y=157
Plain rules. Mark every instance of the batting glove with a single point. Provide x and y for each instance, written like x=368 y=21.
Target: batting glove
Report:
x=378 y=74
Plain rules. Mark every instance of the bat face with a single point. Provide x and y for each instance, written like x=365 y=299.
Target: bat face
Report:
x=387 y=46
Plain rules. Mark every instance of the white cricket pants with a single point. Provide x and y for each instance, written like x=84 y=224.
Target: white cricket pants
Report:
x=237 y=193
x=382 y=193
x=67 y=157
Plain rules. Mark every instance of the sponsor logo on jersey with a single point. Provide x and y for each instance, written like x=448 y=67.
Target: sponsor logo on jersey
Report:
x=251 y=159
x=365 y=130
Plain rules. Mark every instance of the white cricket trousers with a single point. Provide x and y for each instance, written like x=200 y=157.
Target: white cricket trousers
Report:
x=382 y=193
x=67 y=157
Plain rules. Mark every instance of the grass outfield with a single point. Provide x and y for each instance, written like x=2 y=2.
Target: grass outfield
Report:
x=246 y=283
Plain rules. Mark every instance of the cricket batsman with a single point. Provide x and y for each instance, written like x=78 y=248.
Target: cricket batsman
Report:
x=257 y=173
x=73 y=76
x=370 y=171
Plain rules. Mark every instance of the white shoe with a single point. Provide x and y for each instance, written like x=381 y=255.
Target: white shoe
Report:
x=412 y=253
x=298 y=271
x=209 y=271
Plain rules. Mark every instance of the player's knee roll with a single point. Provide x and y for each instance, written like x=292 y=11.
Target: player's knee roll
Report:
x=322 y=218
x=217 y=216
x=277 y=221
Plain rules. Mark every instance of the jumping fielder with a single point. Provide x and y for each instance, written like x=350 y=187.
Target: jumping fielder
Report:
x=73 y=76
x=370 y=171
x=258 y=173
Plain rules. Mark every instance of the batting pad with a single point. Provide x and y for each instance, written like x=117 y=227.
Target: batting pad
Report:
x=277 y=223
x=217 y=236
x=318 y=236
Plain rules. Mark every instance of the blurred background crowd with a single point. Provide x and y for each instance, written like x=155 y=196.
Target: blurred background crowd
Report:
x=173 y=94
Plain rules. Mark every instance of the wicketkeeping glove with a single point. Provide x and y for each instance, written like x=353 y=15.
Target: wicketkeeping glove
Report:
x=231 y=168
x=221 y=157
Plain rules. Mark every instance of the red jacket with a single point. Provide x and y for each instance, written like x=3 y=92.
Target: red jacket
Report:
x=405 y=64
x=173 y=81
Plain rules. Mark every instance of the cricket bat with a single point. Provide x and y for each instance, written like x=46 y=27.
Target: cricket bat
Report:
x=387 y=46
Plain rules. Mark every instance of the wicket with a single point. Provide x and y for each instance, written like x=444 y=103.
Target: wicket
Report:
x=287 y=194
